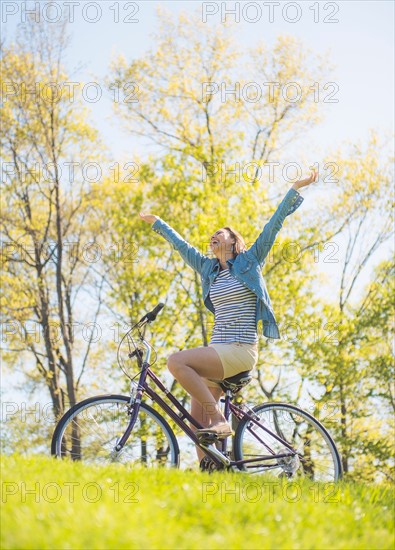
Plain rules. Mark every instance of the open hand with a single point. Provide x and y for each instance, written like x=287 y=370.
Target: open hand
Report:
x=150 y=218
x=307 y=181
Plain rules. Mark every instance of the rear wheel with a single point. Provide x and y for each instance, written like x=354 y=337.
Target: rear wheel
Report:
x=90 y=430
x=316 y=458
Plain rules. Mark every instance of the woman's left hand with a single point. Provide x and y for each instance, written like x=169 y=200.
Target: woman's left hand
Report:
x=306 y=181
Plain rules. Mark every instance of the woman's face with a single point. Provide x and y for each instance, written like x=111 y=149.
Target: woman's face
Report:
x=222 y=242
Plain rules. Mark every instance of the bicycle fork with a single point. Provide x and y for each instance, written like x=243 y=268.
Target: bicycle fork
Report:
x=134 y=404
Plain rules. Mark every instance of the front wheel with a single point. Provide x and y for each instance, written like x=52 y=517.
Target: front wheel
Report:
x=91 y=429
x=261 y=445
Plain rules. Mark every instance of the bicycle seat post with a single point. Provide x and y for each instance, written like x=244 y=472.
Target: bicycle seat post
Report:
x=226 y=401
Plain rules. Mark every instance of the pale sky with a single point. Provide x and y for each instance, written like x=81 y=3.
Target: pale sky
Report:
x=361 y=46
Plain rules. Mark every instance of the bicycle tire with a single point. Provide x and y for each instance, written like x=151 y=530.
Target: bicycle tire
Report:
x=242 y=444
x=154 y=423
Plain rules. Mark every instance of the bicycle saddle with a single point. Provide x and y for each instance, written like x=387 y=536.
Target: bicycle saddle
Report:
x=236 y=382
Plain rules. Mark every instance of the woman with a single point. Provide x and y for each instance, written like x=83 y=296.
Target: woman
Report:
x=234 y=290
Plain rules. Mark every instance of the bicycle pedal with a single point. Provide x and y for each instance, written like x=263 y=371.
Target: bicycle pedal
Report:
x=208 y=438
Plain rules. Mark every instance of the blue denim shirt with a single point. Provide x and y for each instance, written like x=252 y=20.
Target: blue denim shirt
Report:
x=246 y=267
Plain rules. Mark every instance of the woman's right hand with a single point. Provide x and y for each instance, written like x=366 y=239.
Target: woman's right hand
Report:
x=150 y=218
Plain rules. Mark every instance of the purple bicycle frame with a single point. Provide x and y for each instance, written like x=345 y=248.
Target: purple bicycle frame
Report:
x=184 y=414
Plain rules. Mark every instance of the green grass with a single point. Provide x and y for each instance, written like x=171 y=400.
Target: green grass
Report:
x=111 y=507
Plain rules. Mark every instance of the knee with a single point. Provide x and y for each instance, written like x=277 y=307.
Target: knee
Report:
x=173 y=363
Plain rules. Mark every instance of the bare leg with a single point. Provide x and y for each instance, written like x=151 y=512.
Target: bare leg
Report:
x=188 y=367
x=197 y=413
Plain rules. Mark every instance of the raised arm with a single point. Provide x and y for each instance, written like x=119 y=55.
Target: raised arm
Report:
x=292 y=200
x=189 y=253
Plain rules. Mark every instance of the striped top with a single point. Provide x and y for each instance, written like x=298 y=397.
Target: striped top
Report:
x=235 y=310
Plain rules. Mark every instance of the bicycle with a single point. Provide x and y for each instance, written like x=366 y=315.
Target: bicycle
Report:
x=271 y=437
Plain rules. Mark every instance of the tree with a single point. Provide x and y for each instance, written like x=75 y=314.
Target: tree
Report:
x=205 y=172
x=46 y=213
x=199 y=138
x=341 y=369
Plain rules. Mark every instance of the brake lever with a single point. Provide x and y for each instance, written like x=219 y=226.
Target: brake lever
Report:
x=138 y=352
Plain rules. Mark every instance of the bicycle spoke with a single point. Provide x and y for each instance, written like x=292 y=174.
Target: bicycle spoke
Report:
x=93 y=431
x=315 y=457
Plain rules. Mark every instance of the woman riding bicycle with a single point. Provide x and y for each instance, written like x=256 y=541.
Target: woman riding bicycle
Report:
x=234 y=290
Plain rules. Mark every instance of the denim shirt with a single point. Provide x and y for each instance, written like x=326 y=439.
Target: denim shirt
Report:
x=246 y=267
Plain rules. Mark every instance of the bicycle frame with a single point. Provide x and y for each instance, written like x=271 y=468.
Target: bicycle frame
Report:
x=217 y=455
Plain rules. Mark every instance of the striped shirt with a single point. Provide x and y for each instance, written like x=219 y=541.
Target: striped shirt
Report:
x=235 y=310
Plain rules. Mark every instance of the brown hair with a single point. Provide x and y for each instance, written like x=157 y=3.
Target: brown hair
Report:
x=240 y=245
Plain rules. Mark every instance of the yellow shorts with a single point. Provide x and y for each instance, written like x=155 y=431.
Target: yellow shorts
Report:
x=235 y=357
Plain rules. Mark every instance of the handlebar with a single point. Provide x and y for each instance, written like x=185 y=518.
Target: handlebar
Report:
x=145 y=319
x=151 y=315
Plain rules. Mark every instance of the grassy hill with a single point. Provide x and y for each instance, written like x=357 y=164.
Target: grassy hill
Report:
x=47 y=503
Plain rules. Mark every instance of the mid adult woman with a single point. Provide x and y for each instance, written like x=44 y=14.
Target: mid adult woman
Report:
x=234 y=290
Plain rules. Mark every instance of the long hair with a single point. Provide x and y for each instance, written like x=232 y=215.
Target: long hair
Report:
x=239 y=246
